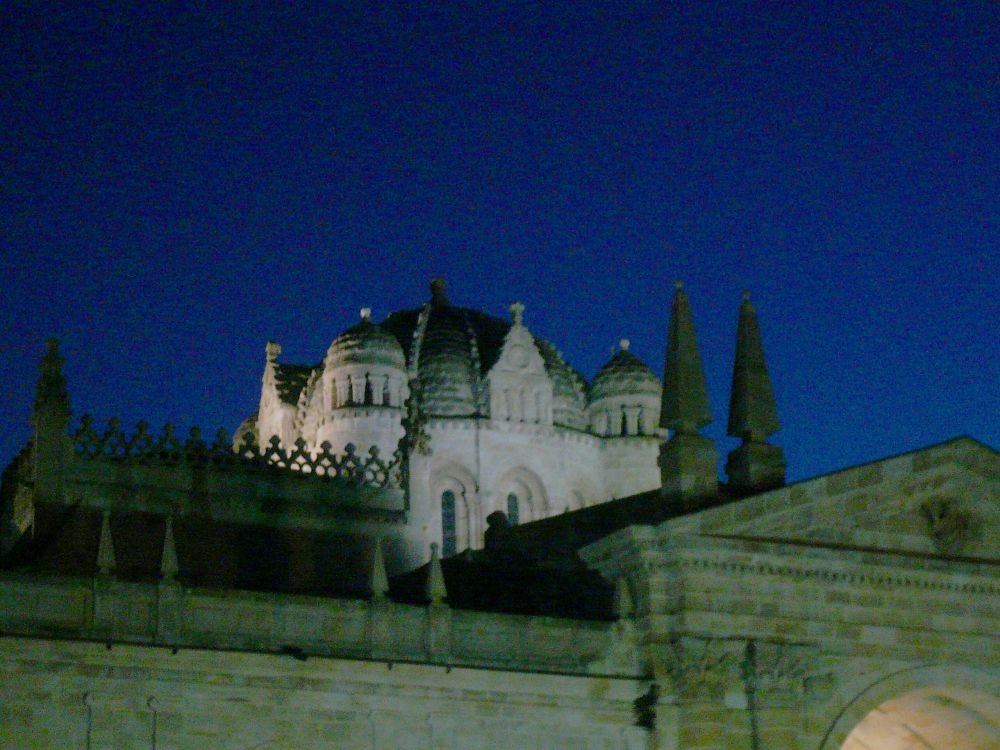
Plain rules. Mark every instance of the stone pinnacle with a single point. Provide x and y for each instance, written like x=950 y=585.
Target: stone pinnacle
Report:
x=685 y=398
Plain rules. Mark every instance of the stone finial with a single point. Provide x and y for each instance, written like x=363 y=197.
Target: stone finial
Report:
x=435 y=588
x=517 y=313
x=439 y=296
x=51 y=391
x=168 y=560
x=366 y=314
x=685 y=406
x=272 y=349
x=379 y=579
x=106 y=547
x=753 y=413
x=624 y=344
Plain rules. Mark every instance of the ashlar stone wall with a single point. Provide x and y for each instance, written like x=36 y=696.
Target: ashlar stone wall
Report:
x=71 y=694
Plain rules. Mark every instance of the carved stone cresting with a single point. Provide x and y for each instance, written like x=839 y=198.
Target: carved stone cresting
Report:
x=142 y=448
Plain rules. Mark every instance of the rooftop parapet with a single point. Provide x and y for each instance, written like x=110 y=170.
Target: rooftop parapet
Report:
x=113 y=444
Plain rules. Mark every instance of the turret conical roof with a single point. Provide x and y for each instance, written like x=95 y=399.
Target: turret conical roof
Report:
x=685 y=406
x=753 y=413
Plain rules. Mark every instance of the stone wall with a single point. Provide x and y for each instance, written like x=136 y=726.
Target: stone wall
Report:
x=86 y=695
x=110 y=664
x=104 y=609
x=868 y=599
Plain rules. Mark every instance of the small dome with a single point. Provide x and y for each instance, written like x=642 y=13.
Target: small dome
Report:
x=624 y=375
x=366 y=344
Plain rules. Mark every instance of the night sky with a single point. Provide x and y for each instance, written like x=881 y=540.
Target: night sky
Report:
x=178 y=186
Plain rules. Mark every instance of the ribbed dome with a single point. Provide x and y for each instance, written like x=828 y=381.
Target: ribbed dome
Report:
x=367 y=344
x=567 y=383
x=624 y=375
x=455 y=347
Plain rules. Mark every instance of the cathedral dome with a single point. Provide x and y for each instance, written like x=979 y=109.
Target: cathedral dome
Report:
x=453 y=348
x=624 y=375
x=365 y=344
x=568 y=386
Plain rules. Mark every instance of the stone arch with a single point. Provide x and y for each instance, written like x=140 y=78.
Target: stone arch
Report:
x=459 y=481
x=582 y=493
x=940 y=707
x=523 y=484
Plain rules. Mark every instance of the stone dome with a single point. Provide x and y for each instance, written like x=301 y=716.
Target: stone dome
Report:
x=365 y=344
x=568 y=386
x=453 y=348
x=624 y=375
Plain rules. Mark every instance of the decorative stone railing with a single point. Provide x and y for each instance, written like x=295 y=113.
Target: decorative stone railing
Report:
x=168 y=614
x=168 y=449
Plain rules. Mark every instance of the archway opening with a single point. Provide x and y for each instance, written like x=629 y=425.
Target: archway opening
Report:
x=929 y=719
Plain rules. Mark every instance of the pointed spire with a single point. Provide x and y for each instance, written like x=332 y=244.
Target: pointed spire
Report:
x=51 y=392
x=755 y=465
x=753 y=413
x=687 y=460
x=379 y=580
x=271 y=351
x=106 y=547
x=685 y=398
x=168 y=560
x=435 y=589
x=624 y=606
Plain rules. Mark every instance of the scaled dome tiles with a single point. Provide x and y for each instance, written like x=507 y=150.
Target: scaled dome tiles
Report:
x=451 y=350
x=365 y=344
x=624 y=375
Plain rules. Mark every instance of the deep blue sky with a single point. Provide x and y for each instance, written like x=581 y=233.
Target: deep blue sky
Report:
x=178 y=186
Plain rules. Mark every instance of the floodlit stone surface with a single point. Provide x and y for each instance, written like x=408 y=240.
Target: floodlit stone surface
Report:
x=160 y=592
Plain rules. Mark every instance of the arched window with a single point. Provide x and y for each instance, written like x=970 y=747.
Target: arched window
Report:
x=448 y=531
x=513 y=509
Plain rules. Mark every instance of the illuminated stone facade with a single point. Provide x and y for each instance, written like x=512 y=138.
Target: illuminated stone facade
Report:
x=158 y=592
x=499 y=420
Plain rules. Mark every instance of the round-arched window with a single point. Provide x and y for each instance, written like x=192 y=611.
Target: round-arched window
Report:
x=449 y=537
x=513 y=509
